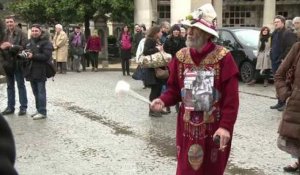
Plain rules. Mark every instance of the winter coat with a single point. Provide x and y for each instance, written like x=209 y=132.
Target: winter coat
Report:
x=78 y=49
x=2 y=71
x=125 y=54
x=281 y=42
x=137 y=38
x=9 y=56
x=149 y=73
x=263 y=57
x=93 y=44
x=41 y=49
x=7 y=149
x=290 y=124
x=140 y=49
x=60 y=45
x=174 y=44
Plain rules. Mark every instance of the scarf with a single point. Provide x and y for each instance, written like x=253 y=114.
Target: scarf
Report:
x=263 y=40
x=76 y=40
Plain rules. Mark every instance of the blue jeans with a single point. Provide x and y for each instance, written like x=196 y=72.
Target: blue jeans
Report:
x=275 y=66
x=39 y=92
x=18 y=76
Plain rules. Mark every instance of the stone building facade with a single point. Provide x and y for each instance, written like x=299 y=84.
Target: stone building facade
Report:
x=255 y=13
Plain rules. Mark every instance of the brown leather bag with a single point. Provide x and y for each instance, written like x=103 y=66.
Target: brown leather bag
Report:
x=162 y=73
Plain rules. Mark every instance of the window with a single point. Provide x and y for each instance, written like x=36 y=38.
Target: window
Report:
x=164 y=12
x=285 y=14
x=248 y=37
x=238 y=15
x=227 y=37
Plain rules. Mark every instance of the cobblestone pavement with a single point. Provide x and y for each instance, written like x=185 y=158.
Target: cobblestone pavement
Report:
x=90 y=131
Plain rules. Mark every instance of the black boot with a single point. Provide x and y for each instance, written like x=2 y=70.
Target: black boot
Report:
x=275 y=106
x=281 y=108
x=279 y=104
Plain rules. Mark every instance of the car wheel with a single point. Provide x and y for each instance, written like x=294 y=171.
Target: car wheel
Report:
x=247 y=71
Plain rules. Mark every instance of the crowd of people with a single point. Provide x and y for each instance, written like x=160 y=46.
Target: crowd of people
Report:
x=276 y=56
x=29 y=59
x=202 y=81
x=278 y=53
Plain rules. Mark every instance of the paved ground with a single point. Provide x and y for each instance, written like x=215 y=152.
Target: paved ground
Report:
x=91 y=131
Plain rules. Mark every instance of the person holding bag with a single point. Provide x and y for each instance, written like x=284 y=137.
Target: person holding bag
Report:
x=77 y=44
x=153 y=45
x=287 y=84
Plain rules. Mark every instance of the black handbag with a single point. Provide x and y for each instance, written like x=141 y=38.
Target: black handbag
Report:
x=50 y=69
x=138 y=73
x=78 y=51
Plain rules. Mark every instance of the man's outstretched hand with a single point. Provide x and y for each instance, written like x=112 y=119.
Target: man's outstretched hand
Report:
x=157 y=105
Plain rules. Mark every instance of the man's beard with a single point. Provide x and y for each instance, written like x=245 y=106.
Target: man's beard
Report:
x=194 y=42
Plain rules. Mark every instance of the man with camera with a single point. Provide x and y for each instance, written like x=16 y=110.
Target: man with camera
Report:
x=39 y=53
x=14 y=42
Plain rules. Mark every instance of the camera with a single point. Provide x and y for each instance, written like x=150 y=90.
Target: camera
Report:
x=23 y=55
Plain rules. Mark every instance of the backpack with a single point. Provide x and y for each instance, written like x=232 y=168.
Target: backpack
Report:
x=126 y=42
x=50 y=69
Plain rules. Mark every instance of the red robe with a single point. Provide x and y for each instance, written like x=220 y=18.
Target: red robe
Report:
x=213 y=161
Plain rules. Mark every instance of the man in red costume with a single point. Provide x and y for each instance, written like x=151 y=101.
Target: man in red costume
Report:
x=204 y=77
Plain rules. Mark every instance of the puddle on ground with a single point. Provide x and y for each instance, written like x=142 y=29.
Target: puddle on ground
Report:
x=163 y=146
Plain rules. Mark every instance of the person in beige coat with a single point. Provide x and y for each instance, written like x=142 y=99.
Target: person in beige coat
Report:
x=263 y=63
x=287 y=83
x=60 y=45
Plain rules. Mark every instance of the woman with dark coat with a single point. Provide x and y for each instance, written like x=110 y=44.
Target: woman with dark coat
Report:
x=174 y=41
x=153 y=45
x=125 y=47
x=287 y=83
